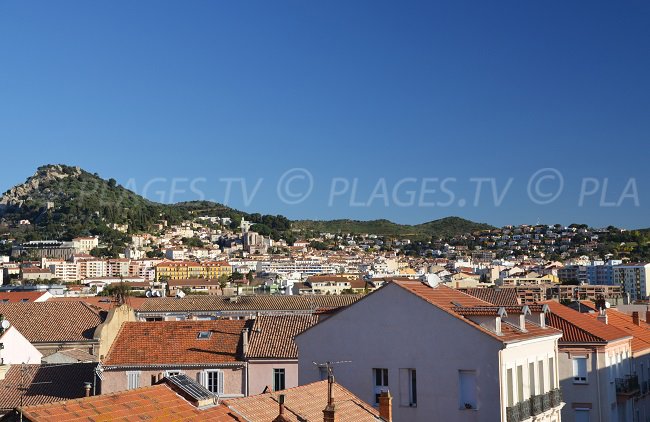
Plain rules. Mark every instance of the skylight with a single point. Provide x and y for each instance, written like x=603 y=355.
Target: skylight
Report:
x=204 y=335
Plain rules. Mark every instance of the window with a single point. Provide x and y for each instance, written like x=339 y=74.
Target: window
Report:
x=551 y=372
x=204 y=335
x=520 y=382
x=540 y=370
x=279 y=377
x=212 y=379
x=581 y=415
x=531 y=378
x=132 y=379
x=408 y=392
x=579 y=370
x=467 y=384
x=380 y=376
x=511 y=391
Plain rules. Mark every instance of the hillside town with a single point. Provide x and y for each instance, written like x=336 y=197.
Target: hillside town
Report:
x=237 y=326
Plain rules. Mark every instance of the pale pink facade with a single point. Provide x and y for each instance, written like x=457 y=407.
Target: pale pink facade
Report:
x=261 y=373
x=459 y=372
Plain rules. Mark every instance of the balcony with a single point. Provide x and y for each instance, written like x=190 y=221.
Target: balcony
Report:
x=628 y=386
x=535 y=406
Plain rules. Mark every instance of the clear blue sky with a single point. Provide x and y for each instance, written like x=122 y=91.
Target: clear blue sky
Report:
x=138 y=90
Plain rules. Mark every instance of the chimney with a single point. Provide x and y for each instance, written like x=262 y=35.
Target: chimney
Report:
x=87 y=386
x=647 y=316
x=386 y=406
x=635 y=318
x=602 y=315
x=244 y=341
x=329 y=413
x=281 y=417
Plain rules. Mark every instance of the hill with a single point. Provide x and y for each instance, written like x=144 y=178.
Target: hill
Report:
x=62 y=202
x=444 y=227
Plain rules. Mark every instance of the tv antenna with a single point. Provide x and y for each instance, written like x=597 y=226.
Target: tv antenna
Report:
x=329 y=365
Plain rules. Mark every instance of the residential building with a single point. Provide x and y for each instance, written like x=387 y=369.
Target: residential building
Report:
x=595 y=368
x=272 y=354
x=210 y=351
x=55 y=326
x=14 y=347
x=408 y=336
x=183 y=270
x=634 y=278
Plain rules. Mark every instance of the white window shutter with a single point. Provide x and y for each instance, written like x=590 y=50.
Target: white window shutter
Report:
x=220 y=377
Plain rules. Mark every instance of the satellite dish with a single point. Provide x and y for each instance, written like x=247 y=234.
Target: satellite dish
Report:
x=180 y=294
x=433 y=280
x=608 y=305
x=157 y=293
x=148 y=294
x=5 y=324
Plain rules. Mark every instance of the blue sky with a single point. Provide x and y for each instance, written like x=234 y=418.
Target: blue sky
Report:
x=151 y=91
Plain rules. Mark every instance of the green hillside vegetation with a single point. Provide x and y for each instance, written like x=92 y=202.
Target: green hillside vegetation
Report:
x=444 y=227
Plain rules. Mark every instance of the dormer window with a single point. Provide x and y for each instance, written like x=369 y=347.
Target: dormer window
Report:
x=204 y=335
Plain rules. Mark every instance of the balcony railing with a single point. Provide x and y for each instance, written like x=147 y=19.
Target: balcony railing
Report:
x=535 y=406
x=627 y=386
x=644 y=387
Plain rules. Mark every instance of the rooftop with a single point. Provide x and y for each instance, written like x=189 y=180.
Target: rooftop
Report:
x=273 y=336
x=177 y=343
x=579 y=327
x=246 y=303
x=52 y=321
x=44 y=383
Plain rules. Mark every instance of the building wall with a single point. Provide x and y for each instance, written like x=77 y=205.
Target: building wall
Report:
x=396 y=330
x=599 y=392
x=260 y=374
x=107 y=331
x=17 y=349
x=116 y=380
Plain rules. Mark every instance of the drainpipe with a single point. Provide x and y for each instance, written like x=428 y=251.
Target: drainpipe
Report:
x=502 y=403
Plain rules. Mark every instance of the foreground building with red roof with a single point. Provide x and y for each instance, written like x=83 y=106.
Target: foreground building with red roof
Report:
x=443 y=354
x=178 y=398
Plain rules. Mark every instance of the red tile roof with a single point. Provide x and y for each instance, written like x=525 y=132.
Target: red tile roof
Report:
x=44 y=383
x=625 y=323
x=16 y=297
x=580 y=328
x=449 y=300
x=273 y=336
x=52 y=321
x=304 y=403
x=495 y=296
x=176 y=342
x=158 y=402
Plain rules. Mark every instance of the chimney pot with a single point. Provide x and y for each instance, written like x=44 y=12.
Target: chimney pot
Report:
x=386 y=406
x=87 y=386
x=635 y=318
x=647 y=316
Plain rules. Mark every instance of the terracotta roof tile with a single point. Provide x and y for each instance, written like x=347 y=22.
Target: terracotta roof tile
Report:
x=247 y=303
x=450 y=300
x=304 y=403
x=580 y=328
x=499 y=297
x=17 y=297
x=273 y=336
x=624 y=322
x=44 y=383
x=176 y=342
x=52 y=321
x=158 y=402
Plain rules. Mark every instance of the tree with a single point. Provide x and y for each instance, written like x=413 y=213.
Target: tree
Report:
x=223 y=282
